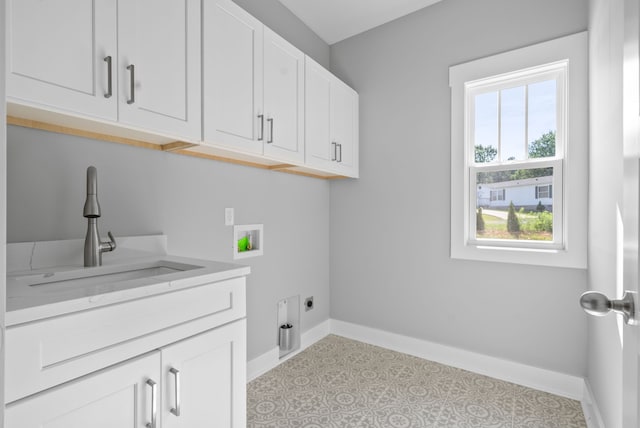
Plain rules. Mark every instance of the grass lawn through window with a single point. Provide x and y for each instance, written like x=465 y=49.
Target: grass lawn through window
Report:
x=532 y=227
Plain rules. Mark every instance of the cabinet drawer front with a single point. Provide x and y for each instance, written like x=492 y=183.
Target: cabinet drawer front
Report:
x=45 y=353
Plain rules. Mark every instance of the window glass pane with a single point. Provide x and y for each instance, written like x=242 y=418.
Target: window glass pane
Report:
x=515 y=204
x=513 y=124
x=542 y=119
x=486 y=127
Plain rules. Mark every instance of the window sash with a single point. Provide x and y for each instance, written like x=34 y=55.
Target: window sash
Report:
x=554 y=71
x=558 y=206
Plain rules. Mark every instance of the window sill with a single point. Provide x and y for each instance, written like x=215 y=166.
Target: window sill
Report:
x=527 y=256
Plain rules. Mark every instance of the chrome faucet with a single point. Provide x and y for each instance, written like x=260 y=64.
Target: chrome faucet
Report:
x=93 y=248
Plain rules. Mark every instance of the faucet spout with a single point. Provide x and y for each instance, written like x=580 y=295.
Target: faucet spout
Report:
x=91 y=205
x=93 y=246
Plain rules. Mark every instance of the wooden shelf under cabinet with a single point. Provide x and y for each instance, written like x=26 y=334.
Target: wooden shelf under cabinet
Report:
x=68 y=124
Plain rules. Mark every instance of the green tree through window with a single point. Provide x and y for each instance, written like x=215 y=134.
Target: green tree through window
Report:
x=543 y=147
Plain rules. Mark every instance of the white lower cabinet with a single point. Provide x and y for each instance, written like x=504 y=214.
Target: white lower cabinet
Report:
x=205 y=380
x=171 y=360
x=116 y=397
x=199 y=381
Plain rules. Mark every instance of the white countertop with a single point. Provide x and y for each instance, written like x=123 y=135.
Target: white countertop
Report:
x=45 y=291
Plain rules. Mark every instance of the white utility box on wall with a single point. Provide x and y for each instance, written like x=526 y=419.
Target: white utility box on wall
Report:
x=248 y=241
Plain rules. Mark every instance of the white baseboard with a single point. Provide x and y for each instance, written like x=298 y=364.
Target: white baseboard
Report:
x=573 y=387
x=271 y=358
x=521 y=374
x=590 y=409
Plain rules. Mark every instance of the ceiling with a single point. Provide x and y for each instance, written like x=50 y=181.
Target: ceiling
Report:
x=336 y=20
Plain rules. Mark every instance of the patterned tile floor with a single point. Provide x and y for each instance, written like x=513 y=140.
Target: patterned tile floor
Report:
x=342 y=383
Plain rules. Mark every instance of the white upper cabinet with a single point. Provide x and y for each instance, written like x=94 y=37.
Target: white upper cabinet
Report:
x=206 y=73
x=63 y=54
x=132 y=61
x=283 y=99
x=159 y=65
x=319 y=149
x=344 y=128
x=253 y=85
x=331 y=122
x=232 y=66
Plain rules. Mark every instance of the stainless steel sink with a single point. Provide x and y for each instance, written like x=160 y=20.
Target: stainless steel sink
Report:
x=104 y=275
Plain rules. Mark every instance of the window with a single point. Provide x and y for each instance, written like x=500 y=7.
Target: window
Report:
x=543 y=192
x=516 y=128
x=497 y=195
x=519 y=119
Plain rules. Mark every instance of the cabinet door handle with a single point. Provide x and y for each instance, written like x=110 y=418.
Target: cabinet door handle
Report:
x=154 y=406
x=340 y=157
x=176 y=374
x=261 y=117
x=335 y=151
x=107 y=59
x=270 y=140
x=132 y=89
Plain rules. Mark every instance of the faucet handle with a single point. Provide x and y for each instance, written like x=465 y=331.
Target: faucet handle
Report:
x=112 y=241
x=105 y=246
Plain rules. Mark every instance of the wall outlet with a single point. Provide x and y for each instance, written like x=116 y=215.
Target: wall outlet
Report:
x=228 y=216
x=308 y=303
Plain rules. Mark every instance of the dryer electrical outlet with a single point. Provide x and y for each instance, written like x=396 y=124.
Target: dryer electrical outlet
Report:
x=308 y=304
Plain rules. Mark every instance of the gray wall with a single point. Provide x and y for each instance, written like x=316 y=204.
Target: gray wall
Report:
x=143 y=192
x=390 y=265
x=606 y=23
x=276 y=16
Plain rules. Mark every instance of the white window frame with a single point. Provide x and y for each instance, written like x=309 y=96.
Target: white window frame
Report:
x=569 y=247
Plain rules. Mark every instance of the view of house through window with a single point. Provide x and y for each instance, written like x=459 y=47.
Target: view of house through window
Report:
x=515 y=204
x=514 y=129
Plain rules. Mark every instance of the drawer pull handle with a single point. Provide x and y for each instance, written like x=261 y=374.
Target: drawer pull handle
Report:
x=132 y=89
x=154 y=407
x=261 y=117
x=176 y=374
x=109 y=77
x=270 y=140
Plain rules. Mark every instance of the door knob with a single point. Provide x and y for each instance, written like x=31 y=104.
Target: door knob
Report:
x=598 y=304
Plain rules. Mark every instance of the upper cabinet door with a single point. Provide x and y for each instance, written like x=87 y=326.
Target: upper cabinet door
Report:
x=159 y=65
x=60 y=52
x=283 y=99
x=232 y=66
x=344 y=128
x=319 y=150
x=331 y=122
